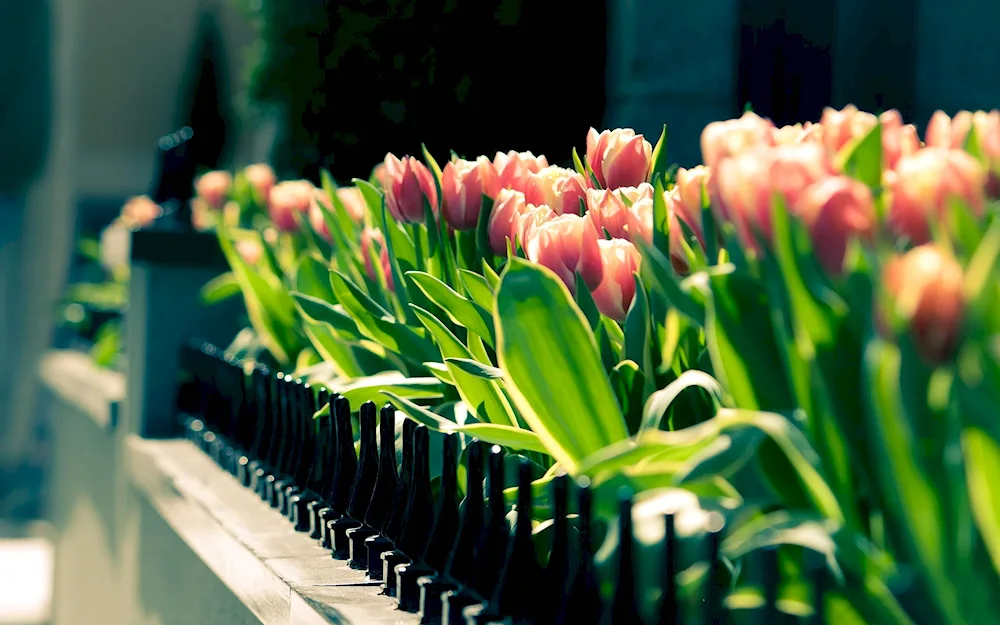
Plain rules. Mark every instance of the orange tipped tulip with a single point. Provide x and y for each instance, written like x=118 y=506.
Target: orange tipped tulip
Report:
x=463 y=185
x=407 y=183
x=619 y=158
x=925 y=286
x=505 y=219
x=619 y=260
x=567 y=244
x=922 y=185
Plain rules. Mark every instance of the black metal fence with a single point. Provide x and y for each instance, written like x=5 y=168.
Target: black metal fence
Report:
x=452 y=559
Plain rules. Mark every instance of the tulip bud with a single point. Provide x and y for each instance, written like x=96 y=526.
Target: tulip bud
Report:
x=799 y=133
x=560 y=189
x=611 y=209
x=684 y=205
x=463 y=184
x=288 y=198
x=567 y=245
x=250 y=251
x=140 y=211
x=837 y=210
x=514 y=168
x=354 y=203
x=373 y=237
x=924 y=183
x=529 y=219
x=843 y=126
x=925 y=286
x=379 y=174
x=505 y=219
x=619 y=260
x=261 y=179
x=946 y=132
x=898 y=139
x=407 y=183
x=748 y=182
x=721 y=140
x=619 y=158
x=213 y=188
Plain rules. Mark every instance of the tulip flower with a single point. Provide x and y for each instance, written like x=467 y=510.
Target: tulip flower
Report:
x=373 y=237
x=349 y=197
x=721 y=140
x=923 y=184
x=685 y=198
x=514 y=169
x=140 y=211
x=250 y=251
x=567 y=244
x=505 y=219
x=837 y=210
x=463 y=185
x=925 y=286
x=747 y=184
x=619 y=158
x=849 y=124
x=288 y=198
x=353 y=202
x=898 y=139
x=947 y=132
x=378 y=173
x=560 y=189
x=407 y=183
x=799 y=133
x=619 y=261
x=261 y=179
x=213 y=188
x=611 y=210
x=529 y=219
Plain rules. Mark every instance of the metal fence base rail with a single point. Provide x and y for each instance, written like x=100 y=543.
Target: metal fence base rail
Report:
x=449 y=561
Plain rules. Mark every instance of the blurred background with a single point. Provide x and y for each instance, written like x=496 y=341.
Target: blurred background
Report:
x=89 y=87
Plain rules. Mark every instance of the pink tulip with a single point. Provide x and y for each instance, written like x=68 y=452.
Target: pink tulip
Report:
x=505 y=219
x=354 y=203
x=463 y=185
x=748 y=182
x=250 y=251
x=898 y=139
x=684 y=205
x=560 y=189
x=925 y=285
x=619 y=260
x=529 y=219
x=567 y=244
x=947 y=132
x=619 y=158
x=379 y=173
x=288 y=198
x=213 y=188
x=799 y=133
x=407 y=183
x=721 y=140
x=515 y=168
x=843 y=126
x=140 y=211
x=837 y=210
x=373 y=237
x=611 y=210
x=923 y=184
x=261 y=179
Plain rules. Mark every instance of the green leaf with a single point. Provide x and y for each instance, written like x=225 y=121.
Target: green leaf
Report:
x=478 y=289
x=639 y=337
x=862 y=159
x=491 y=277
x=483 y=397
x=312 y=277
x=219 y=288
x=563 y=392
x=492 y=433
x=371 y=388
x=660 y=162
x=983 y=264
x=332 y=314
x=982 y=465
x=578 y=165
x=628 y=381
x=107 y=296
x=661 y=218
x=658 y=403
x=483 y=233
x=586 y=302
x=476 y=368
x=657 y=272
x=332 y=349
x=378 y=324
x=461 y=311
x=440 y=371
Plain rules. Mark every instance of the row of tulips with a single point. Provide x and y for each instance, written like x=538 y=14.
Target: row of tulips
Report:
x=799 y=334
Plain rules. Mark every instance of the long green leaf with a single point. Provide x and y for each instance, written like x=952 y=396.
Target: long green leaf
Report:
x=658 y=403
x=460 y=310
x=563 y=392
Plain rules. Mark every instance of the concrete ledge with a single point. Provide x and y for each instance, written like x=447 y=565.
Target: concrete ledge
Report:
x=282 y=576
x=75 y=379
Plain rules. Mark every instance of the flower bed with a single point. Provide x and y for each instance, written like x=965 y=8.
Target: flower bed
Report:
x=797 y=334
